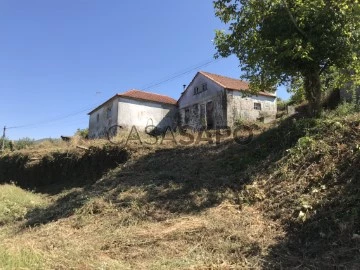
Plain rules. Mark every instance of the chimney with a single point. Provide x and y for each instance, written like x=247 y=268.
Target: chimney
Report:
x=184 y=86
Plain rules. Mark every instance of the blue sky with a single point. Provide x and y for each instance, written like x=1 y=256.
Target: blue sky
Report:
x=59 y=59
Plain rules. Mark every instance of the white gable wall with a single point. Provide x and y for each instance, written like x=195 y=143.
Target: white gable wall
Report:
x=141 y=113
x=102 y=119
x=193 y=103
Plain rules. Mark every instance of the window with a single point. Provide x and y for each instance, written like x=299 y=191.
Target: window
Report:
x=187 y=116
x=204 y=86
x=97 y=118
x=196 y=90
x=108 y=113
x=257 y=106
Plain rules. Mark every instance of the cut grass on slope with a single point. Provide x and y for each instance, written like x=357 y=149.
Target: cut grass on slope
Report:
x=222 y=237
x=314 y=192
x=16 y=202
x=20 y=259
x=288 y=200
x=14 y=205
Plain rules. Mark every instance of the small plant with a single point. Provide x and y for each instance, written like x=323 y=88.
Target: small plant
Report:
x=23 y=143
x=281 y=104
x=346 y=108
x=16 y=202
x=83 y=133
x=6 y=142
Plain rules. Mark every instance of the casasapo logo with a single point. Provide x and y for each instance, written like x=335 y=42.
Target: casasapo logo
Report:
x=185 y=135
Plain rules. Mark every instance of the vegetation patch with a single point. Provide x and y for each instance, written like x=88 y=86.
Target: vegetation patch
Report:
x=289 y=199
x=20 y=259
x=74 y=166
x=16 y=202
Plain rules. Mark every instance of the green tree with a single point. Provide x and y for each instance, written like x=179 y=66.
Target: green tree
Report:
x=280 y=41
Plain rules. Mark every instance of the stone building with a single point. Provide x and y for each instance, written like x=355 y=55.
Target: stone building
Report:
x=212 y=101
x=133 y=108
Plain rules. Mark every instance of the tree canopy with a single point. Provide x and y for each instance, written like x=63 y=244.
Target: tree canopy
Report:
x=278 y=41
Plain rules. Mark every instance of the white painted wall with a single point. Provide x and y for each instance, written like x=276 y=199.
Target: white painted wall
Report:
x=189 y=98
x=98 y=126
x=214 y=93
x=142 y=113
x=242 y=107
x=228 y=105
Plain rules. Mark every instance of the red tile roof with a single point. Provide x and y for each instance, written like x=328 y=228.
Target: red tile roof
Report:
x=232 y=84
x=141 y=95
x=137 y=94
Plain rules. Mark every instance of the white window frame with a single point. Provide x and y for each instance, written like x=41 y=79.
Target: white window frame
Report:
x=257 y=106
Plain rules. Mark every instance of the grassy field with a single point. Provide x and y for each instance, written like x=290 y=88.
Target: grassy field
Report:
x=289 y=199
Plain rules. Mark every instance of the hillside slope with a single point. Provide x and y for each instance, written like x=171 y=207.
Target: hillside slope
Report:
x=289 y=199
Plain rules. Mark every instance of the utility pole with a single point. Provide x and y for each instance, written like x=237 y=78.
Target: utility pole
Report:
x=3 y=139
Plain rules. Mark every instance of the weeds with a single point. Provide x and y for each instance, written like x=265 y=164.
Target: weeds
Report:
x=15 y=203
x=20 y=259
x=287 y=200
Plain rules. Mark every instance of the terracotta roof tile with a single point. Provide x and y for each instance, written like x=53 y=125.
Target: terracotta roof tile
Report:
x=232 y=84
x=142 y=95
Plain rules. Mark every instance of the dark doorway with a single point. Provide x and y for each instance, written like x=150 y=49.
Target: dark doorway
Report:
x=210 y=115
x=202 y=116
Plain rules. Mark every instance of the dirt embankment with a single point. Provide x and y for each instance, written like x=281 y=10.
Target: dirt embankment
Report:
x=73 y=166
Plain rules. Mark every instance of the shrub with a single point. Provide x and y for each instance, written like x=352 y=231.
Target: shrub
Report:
x=346 y=108
x=23 y=143
x=83 y=133
x=7 y=144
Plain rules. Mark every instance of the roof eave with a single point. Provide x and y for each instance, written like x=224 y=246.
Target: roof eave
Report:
x=102 y=104
x=187 y=87
x=255 y=94
x=143 y=99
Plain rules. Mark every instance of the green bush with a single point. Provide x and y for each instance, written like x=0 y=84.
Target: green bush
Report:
x=83 y=133
x=7 y=144
x=345 y=108
x=16 y=202
x=281 y=104
x=23 y=143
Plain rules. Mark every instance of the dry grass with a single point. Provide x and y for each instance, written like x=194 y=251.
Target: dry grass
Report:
x=43 y=148
x=15 y=203
x=288 y=200
x=223 y=237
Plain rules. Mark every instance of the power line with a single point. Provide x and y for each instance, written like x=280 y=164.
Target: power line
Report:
x=52 y=120
x=166 y=79
x=182 y=73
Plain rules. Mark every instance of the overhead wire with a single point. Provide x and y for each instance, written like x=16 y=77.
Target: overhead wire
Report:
x=152 y=85
x=51 y=120
x=181 y=73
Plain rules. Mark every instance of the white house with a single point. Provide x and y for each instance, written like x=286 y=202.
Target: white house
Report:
x=133 y=108
x=214 y=101
x=210 y=101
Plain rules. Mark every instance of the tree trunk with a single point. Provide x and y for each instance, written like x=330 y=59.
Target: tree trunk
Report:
x=312 y=86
